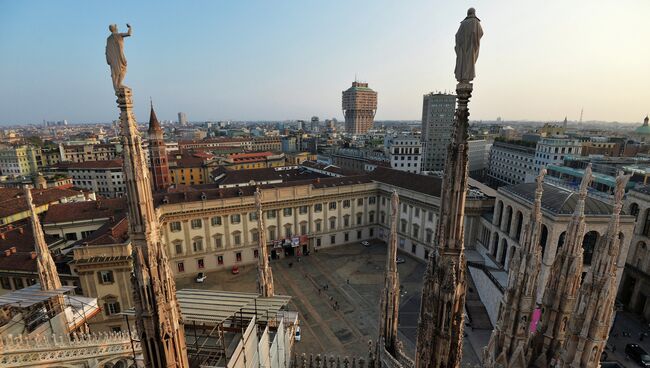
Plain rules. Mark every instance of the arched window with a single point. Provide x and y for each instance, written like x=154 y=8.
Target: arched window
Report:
x=504 y=249
x=272 y=234
x=495 y=245
x=287 y=231
x=497 y=213
x=588 y=245
x=508 y=219
x=520 y=223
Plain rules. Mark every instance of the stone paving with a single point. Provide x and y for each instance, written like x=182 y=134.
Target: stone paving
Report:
x=336 y=292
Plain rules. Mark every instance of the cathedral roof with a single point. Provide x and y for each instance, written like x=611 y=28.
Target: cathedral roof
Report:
x=643 y=129
x=558 y=201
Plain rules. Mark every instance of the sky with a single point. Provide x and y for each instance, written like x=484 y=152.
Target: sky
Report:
x=282 y=60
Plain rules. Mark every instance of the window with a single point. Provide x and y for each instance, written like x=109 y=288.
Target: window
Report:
x=18 y=281
x=417 y=212
x=215 y=221
x=332 y=205
x=371 y=232
x=346 y=220
x=413 y=248
x=178 y=246
x=404 y=208
x=383 y=201
x=429 y=236
x=252 y=216
x=318 y=207
x=270 y=214
x=346 y=236
x=371 y=216
x=372 y=200
x=426 y=254
x=287 y=231
x=218 y=241
x=105 y=277
x=319 y=225
x=236 y=238
x=6 y=283
x=255 y=235
x=382 y=216
x=346 y=203
x=430 y=216
x=358 y=234
x=332 y=239
x=360 y=202
x=404 y=224
x=303 y=210
x=181 y=267
x=332 y=223
x=197 y=224
x=111 y=307
x=235 y=219
x=219 y=259
x=359 y=218
x=238 y=256
x=416 y=231
x=287 y=212
x=272 y=233
x=71 y=236
x=197 y=244
x=303 y=228
x=200 y=264
x=318 y=243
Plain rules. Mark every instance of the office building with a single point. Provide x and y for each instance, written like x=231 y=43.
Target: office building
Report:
x=437 y=127
x=182 y=119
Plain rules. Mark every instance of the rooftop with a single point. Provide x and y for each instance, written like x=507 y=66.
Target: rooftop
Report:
x=87 y=210
x=17 y=240
x=558 y=201
x=12 y=200
x=88 y=165
x=265 y=175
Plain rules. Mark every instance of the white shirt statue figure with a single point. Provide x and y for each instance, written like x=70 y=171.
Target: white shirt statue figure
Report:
x=468 y=42
x=115 y=55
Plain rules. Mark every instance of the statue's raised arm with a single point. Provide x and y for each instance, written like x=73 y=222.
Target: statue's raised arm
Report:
x=468 y=42
x=115 y=55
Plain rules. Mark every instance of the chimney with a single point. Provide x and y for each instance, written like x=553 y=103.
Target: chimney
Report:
x=13 y=250
x=32 y=255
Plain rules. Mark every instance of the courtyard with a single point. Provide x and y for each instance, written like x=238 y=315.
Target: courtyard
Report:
x=336 y=292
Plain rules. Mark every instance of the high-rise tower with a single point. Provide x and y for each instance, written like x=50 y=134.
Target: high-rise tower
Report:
x=359 y=108
x=437 y=128
x=389 y=304
x=158 y=154
x=562 y=286
x=594 y=313
x=264 y=274
x=158 y=314
x=510 y=340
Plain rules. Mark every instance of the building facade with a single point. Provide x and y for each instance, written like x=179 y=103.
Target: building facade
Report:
x=20 y=160
x=635 y=287
x=359 y=107
x=102 y=177
x=510 y=163
x=552 y=151
x=405 y=153
x=437 y=126
x=478 y=152
x=89 y=152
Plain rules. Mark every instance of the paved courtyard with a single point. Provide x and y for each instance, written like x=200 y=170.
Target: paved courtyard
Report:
x=336 y=291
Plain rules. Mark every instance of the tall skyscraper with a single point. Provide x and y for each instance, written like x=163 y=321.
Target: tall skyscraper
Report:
x=315 y=124
x=182 y=119
x=437 y=127
x=359 y=108
x=158 y=154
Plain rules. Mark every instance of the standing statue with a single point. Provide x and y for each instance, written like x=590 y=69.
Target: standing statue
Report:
x=468 y=42
x=115 y=55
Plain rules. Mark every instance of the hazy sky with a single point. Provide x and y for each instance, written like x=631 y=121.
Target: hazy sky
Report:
x=253 y=60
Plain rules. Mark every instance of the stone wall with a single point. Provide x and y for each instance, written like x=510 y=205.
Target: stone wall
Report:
x=488 y=292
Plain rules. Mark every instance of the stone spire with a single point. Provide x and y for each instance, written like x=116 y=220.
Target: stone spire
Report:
x=562 y=286
x=509 y=343
x=440 y=325
x=594 y=313
x=264 y=274
x=47 y=273
x=158 y=153
x=158 y=314
x=389 y=305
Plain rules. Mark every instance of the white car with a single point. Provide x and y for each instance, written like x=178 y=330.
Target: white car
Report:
x=365 y=243
x=201 y=277
x=297 y=338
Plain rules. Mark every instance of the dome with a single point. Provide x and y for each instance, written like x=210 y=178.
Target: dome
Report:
x=643 y=129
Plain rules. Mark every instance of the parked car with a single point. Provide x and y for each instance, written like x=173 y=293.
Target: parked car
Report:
x=297 y=338
x=399 y=260
x=365 y=243
x=235 y=270
x=636 y=353
x=201 y=277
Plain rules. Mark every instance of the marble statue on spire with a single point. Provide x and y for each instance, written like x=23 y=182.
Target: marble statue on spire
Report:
x=468 y=42
x=115 y=55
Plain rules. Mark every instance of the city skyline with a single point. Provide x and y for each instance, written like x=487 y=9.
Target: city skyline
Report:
x=215 y=61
